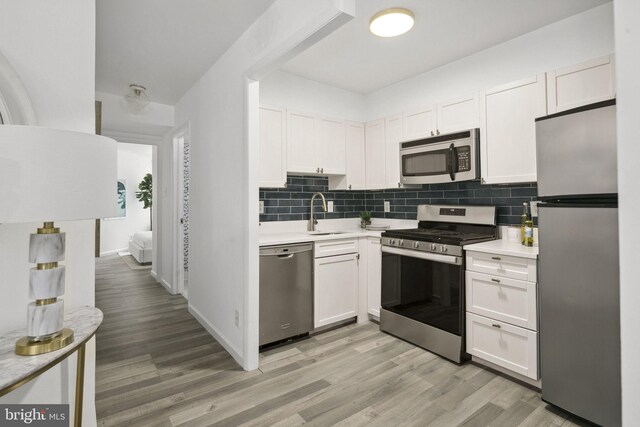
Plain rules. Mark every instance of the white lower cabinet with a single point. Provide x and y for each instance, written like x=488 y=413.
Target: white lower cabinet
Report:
x=374 y=275
x=502 y=311
x=505 y=345
x=335 y=294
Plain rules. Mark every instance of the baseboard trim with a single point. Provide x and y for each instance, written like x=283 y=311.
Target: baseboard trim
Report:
x=167 y=285
x=114 y=252
x=155 y=276
x=215 y=333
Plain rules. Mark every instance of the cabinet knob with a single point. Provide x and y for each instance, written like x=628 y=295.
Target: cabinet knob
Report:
x=495 y=280
x=321 y=170
x=399 y=185
x=495 y=325
x=317 y=170
x=349 y=186
x=437 y=131
x=432 y=134
x=496 y=258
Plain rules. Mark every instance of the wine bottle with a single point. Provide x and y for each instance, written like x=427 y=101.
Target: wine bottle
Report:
x=523 y=220
x=528 y=233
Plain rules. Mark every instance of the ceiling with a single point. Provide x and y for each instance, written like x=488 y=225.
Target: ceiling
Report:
x=445 y=30
x=165 y=45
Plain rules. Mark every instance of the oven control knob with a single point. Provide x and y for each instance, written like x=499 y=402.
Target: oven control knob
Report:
x=444 y=248
x=401 y=242
x=416 y=245
x=433 y=246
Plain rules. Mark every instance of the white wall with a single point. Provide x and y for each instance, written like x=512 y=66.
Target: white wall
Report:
x=134 y=162
x=577 y=38
x=51 y=45
x=628 y=109
x=223 y=275
x=297 y=93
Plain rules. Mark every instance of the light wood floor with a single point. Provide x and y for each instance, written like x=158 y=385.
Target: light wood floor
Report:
x=157 y=366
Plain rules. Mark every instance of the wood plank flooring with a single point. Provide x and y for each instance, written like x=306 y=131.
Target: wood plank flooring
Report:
x=157 y=366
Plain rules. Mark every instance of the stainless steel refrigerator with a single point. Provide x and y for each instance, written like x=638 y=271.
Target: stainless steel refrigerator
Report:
x=579 y=278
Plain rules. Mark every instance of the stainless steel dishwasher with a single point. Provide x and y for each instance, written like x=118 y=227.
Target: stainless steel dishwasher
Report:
x=286 y=291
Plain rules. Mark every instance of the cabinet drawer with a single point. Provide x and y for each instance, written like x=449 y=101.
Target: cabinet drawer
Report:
x=502 y=265
x=335 y=247
x=505 y=345
x=509 y=300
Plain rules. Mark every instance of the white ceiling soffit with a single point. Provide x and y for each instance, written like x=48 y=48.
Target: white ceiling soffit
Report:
x=165 y=45
x=445 y=30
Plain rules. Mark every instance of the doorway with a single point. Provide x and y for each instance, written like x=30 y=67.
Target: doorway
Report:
x=181 y=180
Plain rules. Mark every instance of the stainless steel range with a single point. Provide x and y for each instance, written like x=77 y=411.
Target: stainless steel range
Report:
x=423 y=276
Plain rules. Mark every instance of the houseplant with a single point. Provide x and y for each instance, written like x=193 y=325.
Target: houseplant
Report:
x=365 y=218
x=145 y=195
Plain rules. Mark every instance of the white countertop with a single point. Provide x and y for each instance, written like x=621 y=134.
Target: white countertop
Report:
x=269 y=239
x=504 y=247
x=286 y=232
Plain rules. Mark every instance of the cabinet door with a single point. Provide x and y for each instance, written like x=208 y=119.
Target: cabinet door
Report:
x=508 y=132
x=355 y=156
x=301 y=156
x=374 y=275
x=393 y=127
x=503 y=344
x=458 y=114
x=335 y=289
x=375 y=153
x=273 y=147
x=581 y=84
x=330 y=146
x=419 y=124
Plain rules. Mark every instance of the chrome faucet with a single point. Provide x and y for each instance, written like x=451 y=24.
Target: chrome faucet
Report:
x=312 y=220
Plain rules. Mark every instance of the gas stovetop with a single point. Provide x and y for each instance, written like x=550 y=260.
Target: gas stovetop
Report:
x=445 y=229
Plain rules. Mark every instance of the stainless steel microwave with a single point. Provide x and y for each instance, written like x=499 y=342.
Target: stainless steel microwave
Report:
x=443 y=158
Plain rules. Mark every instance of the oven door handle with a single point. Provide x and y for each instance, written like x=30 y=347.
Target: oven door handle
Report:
x=427 y=256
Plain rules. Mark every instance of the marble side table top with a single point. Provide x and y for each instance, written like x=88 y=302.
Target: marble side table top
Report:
x=14 y=369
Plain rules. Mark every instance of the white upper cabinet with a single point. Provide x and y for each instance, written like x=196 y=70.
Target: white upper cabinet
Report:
x=375 y=153
x=273 y=147
x=507 y=130
x=315 y=145
x=301 y=143
x=355 y=160
x=393 y=128
x=330 y=146
x=355 y=156
x=458 y=114
x=581 y=84
x=419 y=123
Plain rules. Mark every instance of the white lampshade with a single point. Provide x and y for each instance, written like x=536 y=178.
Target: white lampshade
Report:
x=55 y=175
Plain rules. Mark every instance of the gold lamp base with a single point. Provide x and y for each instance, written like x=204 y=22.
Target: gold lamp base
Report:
x=24 y=347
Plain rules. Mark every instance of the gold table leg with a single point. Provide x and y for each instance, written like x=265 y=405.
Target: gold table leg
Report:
x=79 y=387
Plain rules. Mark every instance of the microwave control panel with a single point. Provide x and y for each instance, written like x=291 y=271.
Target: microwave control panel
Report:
x=464 y=158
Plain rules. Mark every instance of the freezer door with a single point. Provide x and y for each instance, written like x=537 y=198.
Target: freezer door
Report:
x=580 y=312
x=576 y=153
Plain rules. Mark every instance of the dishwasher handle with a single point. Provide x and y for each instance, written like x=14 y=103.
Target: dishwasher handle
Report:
x=285 y=251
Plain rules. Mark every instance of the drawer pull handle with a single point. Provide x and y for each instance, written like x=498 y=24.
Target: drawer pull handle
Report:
x=495 y=325
x=495 y=280
x=497 y=258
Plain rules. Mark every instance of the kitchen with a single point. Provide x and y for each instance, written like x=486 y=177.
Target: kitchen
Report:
x=318 y=138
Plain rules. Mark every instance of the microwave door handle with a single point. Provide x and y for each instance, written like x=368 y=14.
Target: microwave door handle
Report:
x=453 y=162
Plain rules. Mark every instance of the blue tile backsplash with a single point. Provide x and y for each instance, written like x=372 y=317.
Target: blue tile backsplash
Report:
x=292 y=203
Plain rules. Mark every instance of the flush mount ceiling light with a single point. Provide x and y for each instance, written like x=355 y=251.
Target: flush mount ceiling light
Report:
x=137 y=98
x=391 y=22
